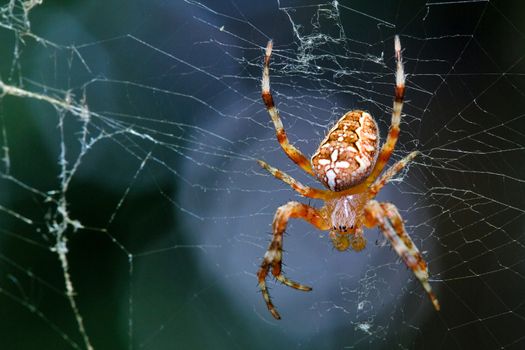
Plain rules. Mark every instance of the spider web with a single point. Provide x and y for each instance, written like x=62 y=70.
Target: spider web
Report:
x=133 y=213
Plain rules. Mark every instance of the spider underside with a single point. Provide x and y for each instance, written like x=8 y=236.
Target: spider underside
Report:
x=348 y=162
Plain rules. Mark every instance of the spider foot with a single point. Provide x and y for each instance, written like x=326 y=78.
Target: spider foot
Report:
x=276 y=272
x=267 y=299
x=281 y=278
x=422 y=276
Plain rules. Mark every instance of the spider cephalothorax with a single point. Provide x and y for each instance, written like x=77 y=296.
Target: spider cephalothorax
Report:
x=349 y=163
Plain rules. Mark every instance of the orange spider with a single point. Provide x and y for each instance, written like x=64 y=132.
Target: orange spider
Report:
x=348 y=163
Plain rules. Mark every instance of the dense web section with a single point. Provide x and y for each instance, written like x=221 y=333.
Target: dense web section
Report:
x=133 y=213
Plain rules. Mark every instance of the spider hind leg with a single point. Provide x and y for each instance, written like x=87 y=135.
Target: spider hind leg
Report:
x=291 y=151
x=393 y=132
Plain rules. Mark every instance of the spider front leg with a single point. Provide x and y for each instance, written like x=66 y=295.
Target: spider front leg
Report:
x=386 y=216
x=273 y=256
x=295 y=155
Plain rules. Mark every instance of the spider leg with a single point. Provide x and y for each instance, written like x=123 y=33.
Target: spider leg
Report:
x=295 y=155
x=296 y=185
x=393 y=170
x=386 y=216
x=393 y=132
x=273 y=256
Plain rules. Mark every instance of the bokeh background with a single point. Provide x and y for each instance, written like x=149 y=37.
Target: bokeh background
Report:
x=151 y=112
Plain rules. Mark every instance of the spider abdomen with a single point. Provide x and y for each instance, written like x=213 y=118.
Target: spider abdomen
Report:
x=348 y=153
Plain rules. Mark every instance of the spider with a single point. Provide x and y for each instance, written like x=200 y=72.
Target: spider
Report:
x=348 y=162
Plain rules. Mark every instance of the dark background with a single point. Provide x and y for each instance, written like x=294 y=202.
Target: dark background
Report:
x=176 y=213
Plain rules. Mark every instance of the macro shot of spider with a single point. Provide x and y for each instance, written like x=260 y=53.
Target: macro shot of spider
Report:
x=350 y=165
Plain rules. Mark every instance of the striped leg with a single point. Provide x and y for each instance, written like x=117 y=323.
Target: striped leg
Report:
x=386 y=216
x=295 y=155
x=393 y=133
x=273 y=256
x=393 y=170
x=296 y=185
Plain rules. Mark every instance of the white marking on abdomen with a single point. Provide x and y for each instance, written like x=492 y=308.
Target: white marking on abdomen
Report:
x=335 y=155
x=364 y=163
x=330 y=176
x=369 y=148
